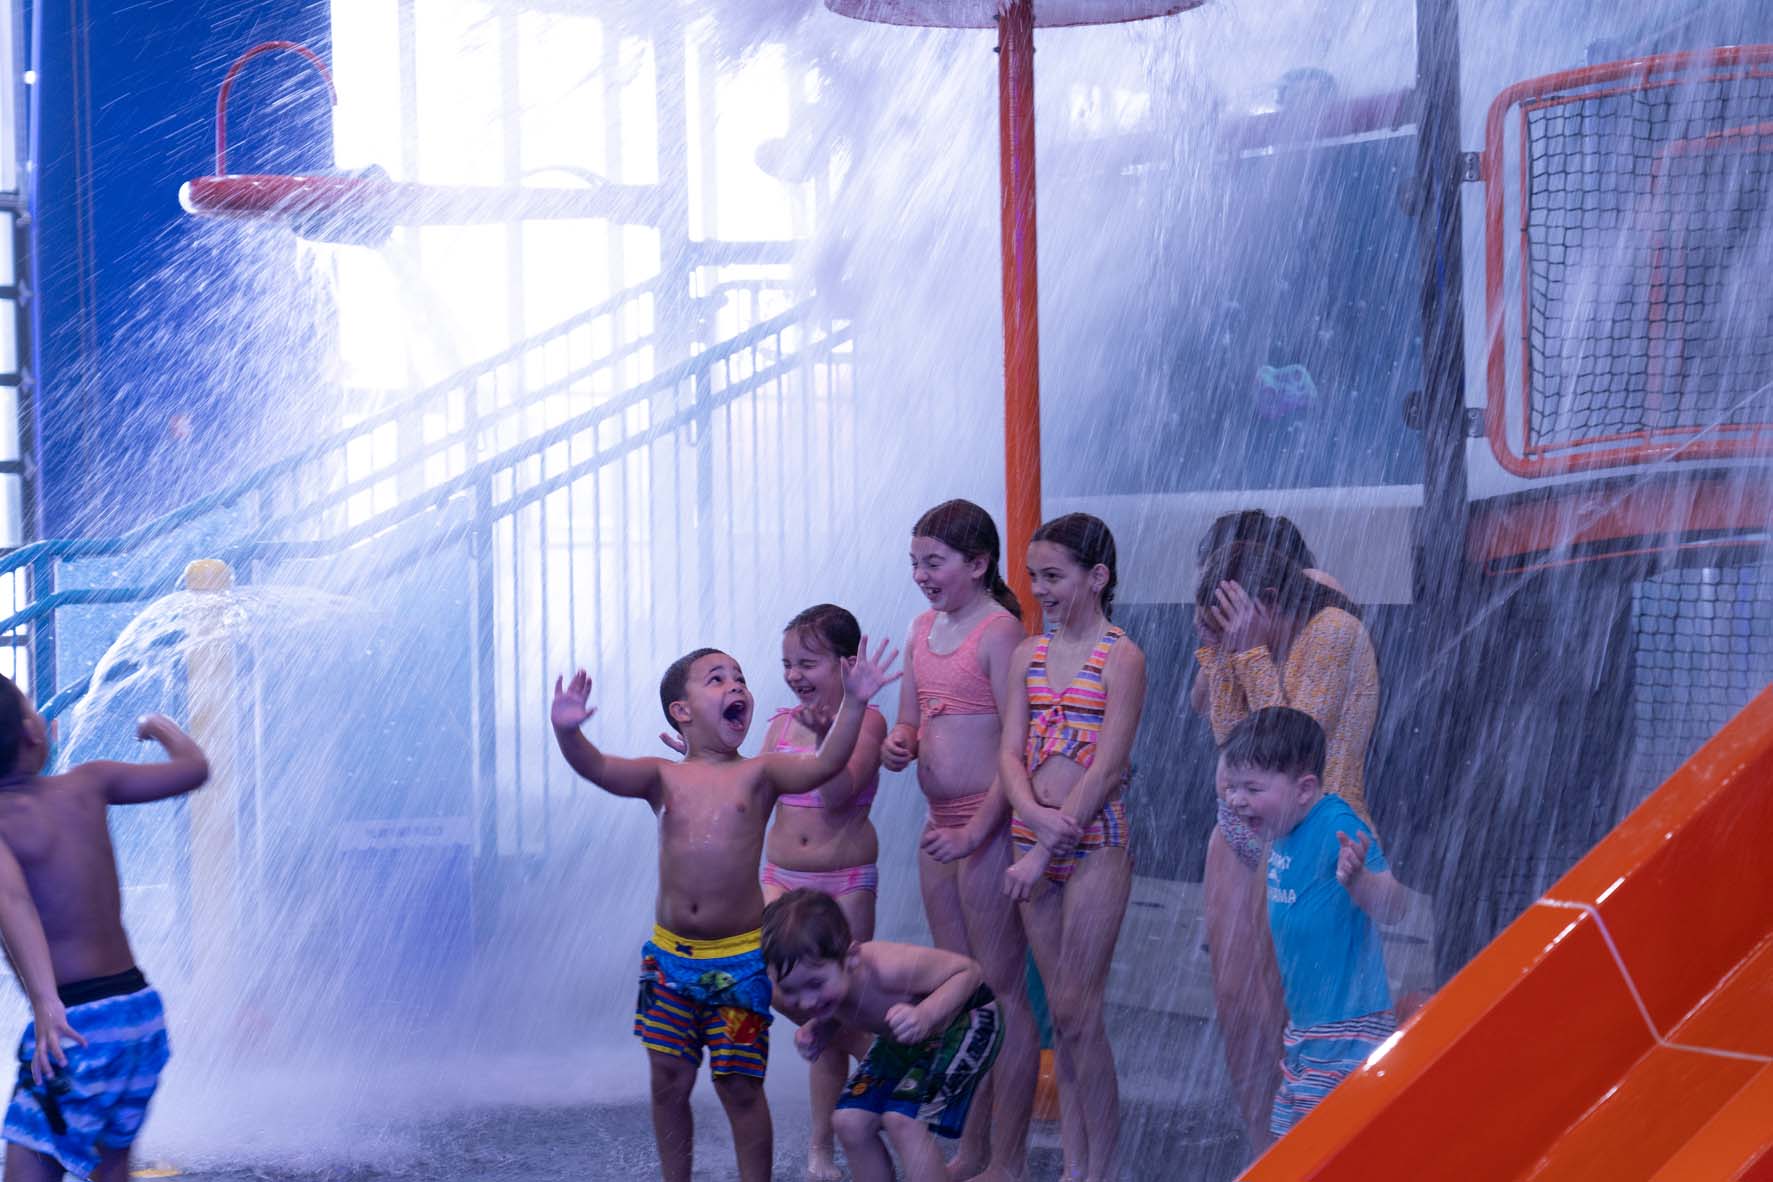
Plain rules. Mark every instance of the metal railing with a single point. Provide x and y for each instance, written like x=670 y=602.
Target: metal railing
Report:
x=577 y=507
x=538 y=393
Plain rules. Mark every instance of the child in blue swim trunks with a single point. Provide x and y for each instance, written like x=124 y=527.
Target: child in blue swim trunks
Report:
x=703 y=982
x=936 y=1023
x=85 y=1119
x=1328 y=886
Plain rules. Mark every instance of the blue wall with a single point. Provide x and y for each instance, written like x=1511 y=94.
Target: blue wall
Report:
x=152 y=385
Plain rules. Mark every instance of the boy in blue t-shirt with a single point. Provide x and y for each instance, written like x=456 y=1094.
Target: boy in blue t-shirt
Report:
x=1327 y=885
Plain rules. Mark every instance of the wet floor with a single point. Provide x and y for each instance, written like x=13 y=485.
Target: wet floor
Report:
x=1178 y=1123
x=552 y=1145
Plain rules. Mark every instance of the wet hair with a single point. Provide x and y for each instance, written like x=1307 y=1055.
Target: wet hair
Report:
x=1257 y=568
x=12 y=725
x=1276 y=739
x=803 y=924
x=1088 y=540
x=1254 y=525
x=828 y=628
x=674 y=686
x=969 y=531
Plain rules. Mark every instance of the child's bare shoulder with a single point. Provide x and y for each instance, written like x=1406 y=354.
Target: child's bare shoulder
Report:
x=1126 y=654
x=1004 y=628
x=82 y=777
x=81 y=783
x=890 y=955
x=1025 y=646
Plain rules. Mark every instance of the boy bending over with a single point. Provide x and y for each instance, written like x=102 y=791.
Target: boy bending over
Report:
x=1328 y=884
x=702 y=977
x=936 y=1022
x=84 y=1119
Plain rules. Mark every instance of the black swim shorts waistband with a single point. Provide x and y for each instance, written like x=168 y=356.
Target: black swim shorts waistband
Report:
x=79 y=993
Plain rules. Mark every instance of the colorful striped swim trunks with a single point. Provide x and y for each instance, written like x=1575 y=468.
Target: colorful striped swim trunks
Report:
x=100 y=1098
x=705 y=993
x=1317 y=1058
x=1107 y=831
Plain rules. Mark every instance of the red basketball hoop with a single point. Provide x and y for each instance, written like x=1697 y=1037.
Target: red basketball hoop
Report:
x=365 y=207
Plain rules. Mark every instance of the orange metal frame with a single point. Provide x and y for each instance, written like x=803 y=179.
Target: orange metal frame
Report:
x=1618 y=1029
x=1582 y=523
x=1605 y=451
x=1021 y=293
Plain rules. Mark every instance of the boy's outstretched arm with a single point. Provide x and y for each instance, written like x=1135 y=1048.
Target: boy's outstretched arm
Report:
x=28 y=949
x=864 y=675
x=1376 y=892
x=615 y=775
x=184 y=769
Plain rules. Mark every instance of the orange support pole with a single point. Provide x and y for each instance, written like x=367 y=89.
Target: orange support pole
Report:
x=1021 y=292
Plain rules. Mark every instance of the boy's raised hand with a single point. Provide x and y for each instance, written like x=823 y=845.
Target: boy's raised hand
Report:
x=864 y=675
x=1351 y=859
x=572 y=702
x=158 y=728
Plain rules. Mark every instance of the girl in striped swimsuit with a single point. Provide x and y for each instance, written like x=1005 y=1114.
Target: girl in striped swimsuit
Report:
x=1076 y=693
x=957 y=665
x=823 y=839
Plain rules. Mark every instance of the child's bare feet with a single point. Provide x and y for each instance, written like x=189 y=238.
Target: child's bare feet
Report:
x=821 y=1165
x=990 y=1174
x=963 y=1169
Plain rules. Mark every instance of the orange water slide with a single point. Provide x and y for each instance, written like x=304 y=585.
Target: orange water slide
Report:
x=1620 y=1029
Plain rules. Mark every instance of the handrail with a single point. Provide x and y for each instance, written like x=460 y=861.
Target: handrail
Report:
x=365 y=530
x=559 y=433
x=263 y=544
x=159 y=527
x=99 y=547
x=443 y=443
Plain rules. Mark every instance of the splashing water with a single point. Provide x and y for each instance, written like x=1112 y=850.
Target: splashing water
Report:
x=434 y=918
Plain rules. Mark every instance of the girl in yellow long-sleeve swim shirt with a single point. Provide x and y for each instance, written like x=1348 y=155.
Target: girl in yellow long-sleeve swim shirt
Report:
x=1287 y=639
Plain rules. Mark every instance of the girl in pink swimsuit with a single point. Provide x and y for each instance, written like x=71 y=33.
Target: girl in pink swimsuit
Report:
x=1075 y=696
x=957 y=665
x=823 y=839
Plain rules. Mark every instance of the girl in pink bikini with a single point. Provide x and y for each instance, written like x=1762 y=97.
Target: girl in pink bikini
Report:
x=957 y=668
x=823 y=839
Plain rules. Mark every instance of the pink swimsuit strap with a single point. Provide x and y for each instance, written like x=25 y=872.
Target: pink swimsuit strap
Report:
x=953 y=682
x=812 y=800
